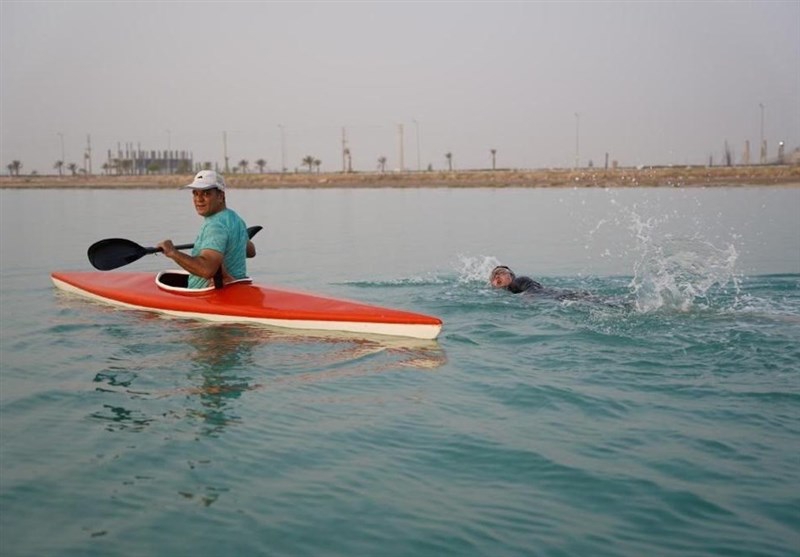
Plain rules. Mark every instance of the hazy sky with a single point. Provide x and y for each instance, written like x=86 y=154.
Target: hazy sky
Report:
x=651 y=82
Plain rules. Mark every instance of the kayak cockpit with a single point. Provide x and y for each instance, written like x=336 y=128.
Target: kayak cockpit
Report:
x=177 y=282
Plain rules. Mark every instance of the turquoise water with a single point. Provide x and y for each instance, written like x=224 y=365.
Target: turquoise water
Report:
x=659 y=416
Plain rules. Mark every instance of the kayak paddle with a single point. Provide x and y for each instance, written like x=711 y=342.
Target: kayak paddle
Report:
x=116 y=252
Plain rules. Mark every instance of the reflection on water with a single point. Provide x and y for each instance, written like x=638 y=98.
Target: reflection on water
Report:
x=122 y=418
x=315 y=355
x=221 y=357
x=221 y=363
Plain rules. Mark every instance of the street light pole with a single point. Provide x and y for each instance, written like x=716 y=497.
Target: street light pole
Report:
x=169 y=148
x=763 y=151
x=225 y=150
x=577 y=139
x=416 y=125
x=400 y=134
x=61 y=137
x=283 y=148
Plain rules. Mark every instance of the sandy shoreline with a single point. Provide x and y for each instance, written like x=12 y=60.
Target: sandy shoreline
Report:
x=627 y=177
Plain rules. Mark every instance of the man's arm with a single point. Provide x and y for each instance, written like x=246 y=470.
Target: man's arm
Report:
x=204 y=265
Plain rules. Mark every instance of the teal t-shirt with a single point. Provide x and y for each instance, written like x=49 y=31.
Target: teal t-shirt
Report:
x=226 y=233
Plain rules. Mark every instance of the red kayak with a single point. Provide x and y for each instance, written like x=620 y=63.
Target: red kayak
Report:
x=245 y=302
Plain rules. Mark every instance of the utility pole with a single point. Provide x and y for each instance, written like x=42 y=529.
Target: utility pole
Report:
x=344 y=150
x=88 y=156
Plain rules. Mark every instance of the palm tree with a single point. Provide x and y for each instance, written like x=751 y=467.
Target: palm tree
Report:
x=59 y=165
x=243 y=164
x=382 y=164
x=106 y=167
x=494 y=152
x=317 y=163
x=72 y=168
x=449 y=157
x=10 y=168
x=116 y=164
x=261 y=163
x=309 y=162
x=206 y=165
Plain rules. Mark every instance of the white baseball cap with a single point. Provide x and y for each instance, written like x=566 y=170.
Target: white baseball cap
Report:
x=207 y=179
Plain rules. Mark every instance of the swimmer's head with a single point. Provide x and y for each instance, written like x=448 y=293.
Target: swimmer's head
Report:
x=501 y=277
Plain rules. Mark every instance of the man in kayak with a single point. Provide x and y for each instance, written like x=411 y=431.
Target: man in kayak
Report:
x=222 y=244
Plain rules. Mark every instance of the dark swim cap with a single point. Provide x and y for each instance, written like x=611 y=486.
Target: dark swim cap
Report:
x=503 y=268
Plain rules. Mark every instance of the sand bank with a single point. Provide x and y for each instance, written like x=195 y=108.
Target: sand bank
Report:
x=627 y=177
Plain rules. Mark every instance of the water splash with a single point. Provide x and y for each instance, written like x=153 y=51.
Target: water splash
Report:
x=678 y=273
x=476 y=269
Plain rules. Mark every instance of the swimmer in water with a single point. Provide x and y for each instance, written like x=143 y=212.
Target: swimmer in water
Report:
x=503 y=277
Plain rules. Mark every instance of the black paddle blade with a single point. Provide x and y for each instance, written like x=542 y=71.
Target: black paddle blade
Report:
x=112 y=253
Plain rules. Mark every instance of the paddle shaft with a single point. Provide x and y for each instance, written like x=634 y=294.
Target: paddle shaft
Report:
x=252 y=231
x=180 y=247
x=116 y=252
